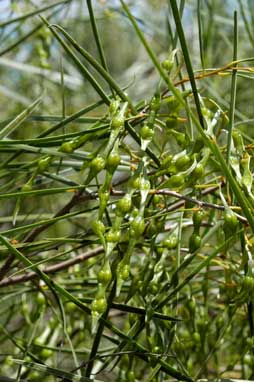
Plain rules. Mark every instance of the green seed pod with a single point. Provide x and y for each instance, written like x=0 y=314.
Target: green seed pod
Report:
x=104 y=275
x=99 y=305
x=98 y=227
x=181 y=139
x=117 y=122
x=167 y=65
x=248 y=283
x=155 y=103
x=157 y=199
x=70 y=307
x=198 y=172
x=34 y=376
x=40 y=299
x=67 y=147
x=231 y=221
x=113 y=161
x=198 y=145
x=97 y=164
x=238 y=141
x=250 y=342
x=153 y=287
x=166 y=162
x=130 y=376
x=152 y=229
x=176 y=180
x=220 y=322
x=248 y=359
x=194 y=242
x=124 y=204
x=146 y=132
x=156 y=349
x=196 y=338
x=104 y=195
x=173 y=104
x=197 y=218
x=172 y=122
x=171 y=242
x=113 y=236
x=44 y=163
x=182 y=162
x=125 y=272
x=27 y=187
x=191 y=305
x=136 y=182
x=137 y=227
x=144 y=185
x=113 y=107
x=46 y=353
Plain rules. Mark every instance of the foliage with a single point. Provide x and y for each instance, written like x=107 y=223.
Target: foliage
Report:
x=127 y=218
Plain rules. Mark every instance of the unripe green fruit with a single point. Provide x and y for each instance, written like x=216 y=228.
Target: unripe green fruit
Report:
x=196 y=338
x=117 y=122
x=130 y=376
x=156 y=349
x=104 y=276
x=97 y=164
x=40 y=299
x=43 y=164
x=248 y=359
x=113 y=236
x=136 y=182
x=171 y=242
x=181 y=139
x=98 y=227
x=152 y=229
x=145 y=184
x=166 y=161
x=8 y=360
x=250 y=342
x=113 y=107
x=124 y=204
x=67 y=147
x=146 y=132
x=46 y=353
x=137 y=227
x=155 y=103
x=248 y=283
x=70 y=307
x=24 y=308
x=34 y=376
x=231 y=221
x=167 y=65
x=173 y=104
x=176 y=180
x=182 y=162
x=99 y=305
x=153 y=287
x=198 y=216
x=157 y=199
x=198 y=171
x=238 y=139
x=113 y=161
x=194 y=242
x=124 y=272
x=26 y=187
x=191 y=305
x=172 y=122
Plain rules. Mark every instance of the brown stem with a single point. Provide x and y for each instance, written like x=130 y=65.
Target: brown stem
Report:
x=52 y=268
x=36 y=231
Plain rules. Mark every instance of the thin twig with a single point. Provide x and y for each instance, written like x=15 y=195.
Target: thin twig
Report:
x=52 y=268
